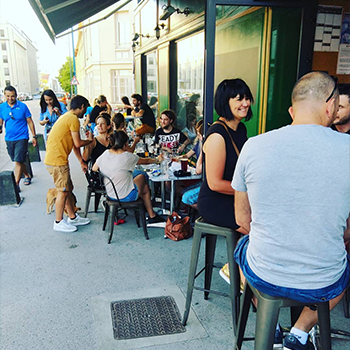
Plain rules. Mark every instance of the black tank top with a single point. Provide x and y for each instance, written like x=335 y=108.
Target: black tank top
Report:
x=218 y=208
x=97 y=151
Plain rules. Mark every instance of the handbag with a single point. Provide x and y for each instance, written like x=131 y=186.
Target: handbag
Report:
x=177 y=228
x=93 y=179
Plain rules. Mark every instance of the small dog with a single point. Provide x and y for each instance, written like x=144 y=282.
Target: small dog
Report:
x=51 y=199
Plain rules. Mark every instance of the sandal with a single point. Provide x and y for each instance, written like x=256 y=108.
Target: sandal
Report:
x=27 y=181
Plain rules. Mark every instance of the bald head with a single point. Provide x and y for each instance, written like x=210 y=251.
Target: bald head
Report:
x=314 y=87
x=315 y=100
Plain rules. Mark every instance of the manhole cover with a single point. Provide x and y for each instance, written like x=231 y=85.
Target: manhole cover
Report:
x=147 y=317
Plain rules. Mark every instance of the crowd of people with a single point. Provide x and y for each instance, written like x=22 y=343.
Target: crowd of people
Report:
x=286 y=191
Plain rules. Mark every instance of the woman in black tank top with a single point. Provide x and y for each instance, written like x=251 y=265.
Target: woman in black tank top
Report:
x=101 y=142
x=223 y=142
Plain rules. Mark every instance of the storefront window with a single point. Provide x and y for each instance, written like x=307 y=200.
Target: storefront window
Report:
x=190 y=73
x=152 y=82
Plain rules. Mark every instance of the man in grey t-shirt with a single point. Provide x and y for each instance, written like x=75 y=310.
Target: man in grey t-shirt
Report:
x=293 y=196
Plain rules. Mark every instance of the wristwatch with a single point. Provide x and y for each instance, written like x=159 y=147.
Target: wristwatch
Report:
x=35 y=137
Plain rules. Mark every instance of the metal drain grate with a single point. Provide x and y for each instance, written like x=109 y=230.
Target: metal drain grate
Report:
x=147 y=317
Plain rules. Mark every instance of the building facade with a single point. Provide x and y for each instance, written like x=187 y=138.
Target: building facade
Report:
x=104 y=57
x=18 y=60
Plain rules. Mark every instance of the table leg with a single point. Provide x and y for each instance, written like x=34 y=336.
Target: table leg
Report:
x=172 y=196
x=162 y=190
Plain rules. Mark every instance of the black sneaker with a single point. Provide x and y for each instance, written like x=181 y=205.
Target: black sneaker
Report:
x=292 y=343
x=278 y=342
x=157 y=221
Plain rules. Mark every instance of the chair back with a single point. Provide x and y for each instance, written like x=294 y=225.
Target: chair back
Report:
x=106 y=180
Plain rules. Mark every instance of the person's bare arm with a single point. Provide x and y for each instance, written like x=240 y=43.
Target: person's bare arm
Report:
x=95 y=167
x=215 y=159
x=88 y=150
x=78 y=142
x=199 y=164
x=32 y=129
x=182 y=147
x=347 y=231
x=243 y=213
x=133 y=146
x=77 y=153
x=140 y=113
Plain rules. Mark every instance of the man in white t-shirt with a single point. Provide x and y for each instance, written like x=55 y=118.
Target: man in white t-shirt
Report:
x=292 y=193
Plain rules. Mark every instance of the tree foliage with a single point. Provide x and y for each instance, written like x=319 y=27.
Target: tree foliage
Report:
x=64 y=76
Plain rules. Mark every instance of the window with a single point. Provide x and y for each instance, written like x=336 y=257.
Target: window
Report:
x=2 y=33
x=4 y=59
x=122 y=29
x=121 y=84
x=3 y=46
x=6 y=71
x=190 y=78
x=7 y=82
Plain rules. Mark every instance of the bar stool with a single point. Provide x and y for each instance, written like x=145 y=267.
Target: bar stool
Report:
x=267 y=318
x=210 y=232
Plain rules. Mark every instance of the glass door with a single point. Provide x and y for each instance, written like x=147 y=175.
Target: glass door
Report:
x=261 y=46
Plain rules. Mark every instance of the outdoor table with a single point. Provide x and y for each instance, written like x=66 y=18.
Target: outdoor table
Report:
x=172 y=178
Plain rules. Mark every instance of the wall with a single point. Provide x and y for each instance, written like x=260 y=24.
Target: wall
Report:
x=327 y=61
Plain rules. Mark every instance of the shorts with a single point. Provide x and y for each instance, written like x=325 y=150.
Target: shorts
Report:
x=137 y=172
x=17 y=150
x=131 y=197
x=61 y=177
x=145 y=129
x=190 y=194
x=302 y=295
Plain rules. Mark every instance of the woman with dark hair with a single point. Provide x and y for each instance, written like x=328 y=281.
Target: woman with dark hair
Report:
x=190 y=129
x=224 y=139
x=101 y=142
x=118 y=164
x=51 y=110
x=153 y=103
x=127 y=106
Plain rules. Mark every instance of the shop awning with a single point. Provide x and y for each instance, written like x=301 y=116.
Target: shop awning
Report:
x=58 y=16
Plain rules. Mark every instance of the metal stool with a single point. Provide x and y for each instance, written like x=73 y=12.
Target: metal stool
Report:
x=210 y=232
x=267 y=318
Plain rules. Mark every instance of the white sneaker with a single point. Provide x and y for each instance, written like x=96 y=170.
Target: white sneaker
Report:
x=63 y=226
x=78 y=221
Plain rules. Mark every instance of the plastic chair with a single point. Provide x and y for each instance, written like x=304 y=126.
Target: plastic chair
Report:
x=210 y=232
x=114 y=206
x=267 y=318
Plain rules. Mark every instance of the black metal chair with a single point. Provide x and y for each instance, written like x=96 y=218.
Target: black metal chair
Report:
x=93 y=191
x=346 y=303
x=114 y=206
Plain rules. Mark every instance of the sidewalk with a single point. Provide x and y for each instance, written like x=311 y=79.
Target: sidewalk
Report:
x=56 y=288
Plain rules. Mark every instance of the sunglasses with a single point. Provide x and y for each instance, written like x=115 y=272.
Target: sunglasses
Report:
x=12 y=117
x=336 y=82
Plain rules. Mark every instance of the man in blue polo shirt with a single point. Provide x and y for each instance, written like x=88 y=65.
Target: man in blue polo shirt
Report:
x=17 y=117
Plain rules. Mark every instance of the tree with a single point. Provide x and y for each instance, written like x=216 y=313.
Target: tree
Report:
x=64 y=75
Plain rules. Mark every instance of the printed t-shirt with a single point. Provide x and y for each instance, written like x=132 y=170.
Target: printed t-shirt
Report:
x=171 y=140
x=60 y=143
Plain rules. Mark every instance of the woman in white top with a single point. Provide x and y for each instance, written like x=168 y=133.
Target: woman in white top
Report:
x=118 y=164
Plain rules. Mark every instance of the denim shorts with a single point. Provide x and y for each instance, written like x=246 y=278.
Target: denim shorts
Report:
x=190 y=194
x=17 y=150
x=302 y=295
x=137 y=172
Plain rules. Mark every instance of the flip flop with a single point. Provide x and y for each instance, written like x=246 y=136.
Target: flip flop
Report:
x=27 y=181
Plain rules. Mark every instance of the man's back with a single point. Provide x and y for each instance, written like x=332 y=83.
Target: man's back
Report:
x=298 y=182
x=60 y=141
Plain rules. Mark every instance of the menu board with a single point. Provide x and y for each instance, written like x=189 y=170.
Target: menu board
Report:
x=327 y=34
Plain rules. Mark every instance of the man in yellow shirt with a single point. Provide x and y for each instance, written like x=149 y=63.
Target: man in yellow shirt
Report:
x=65 y=136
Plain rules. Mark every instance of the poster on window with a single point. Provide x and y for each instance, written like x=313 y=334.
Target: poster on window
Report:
x=343 y=66
x=327 y=34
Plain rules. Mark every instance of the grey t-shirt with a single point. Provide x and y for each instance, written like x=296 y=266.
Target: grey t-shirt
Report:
x=298 y=184
x=119 y=168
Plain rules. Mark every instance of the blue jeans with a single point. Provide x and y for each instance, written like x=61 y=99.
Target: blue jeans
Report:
x=302 y=295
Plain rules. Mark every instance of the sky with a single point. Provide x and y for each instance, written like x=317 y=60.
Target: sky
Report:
x=50 y=56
